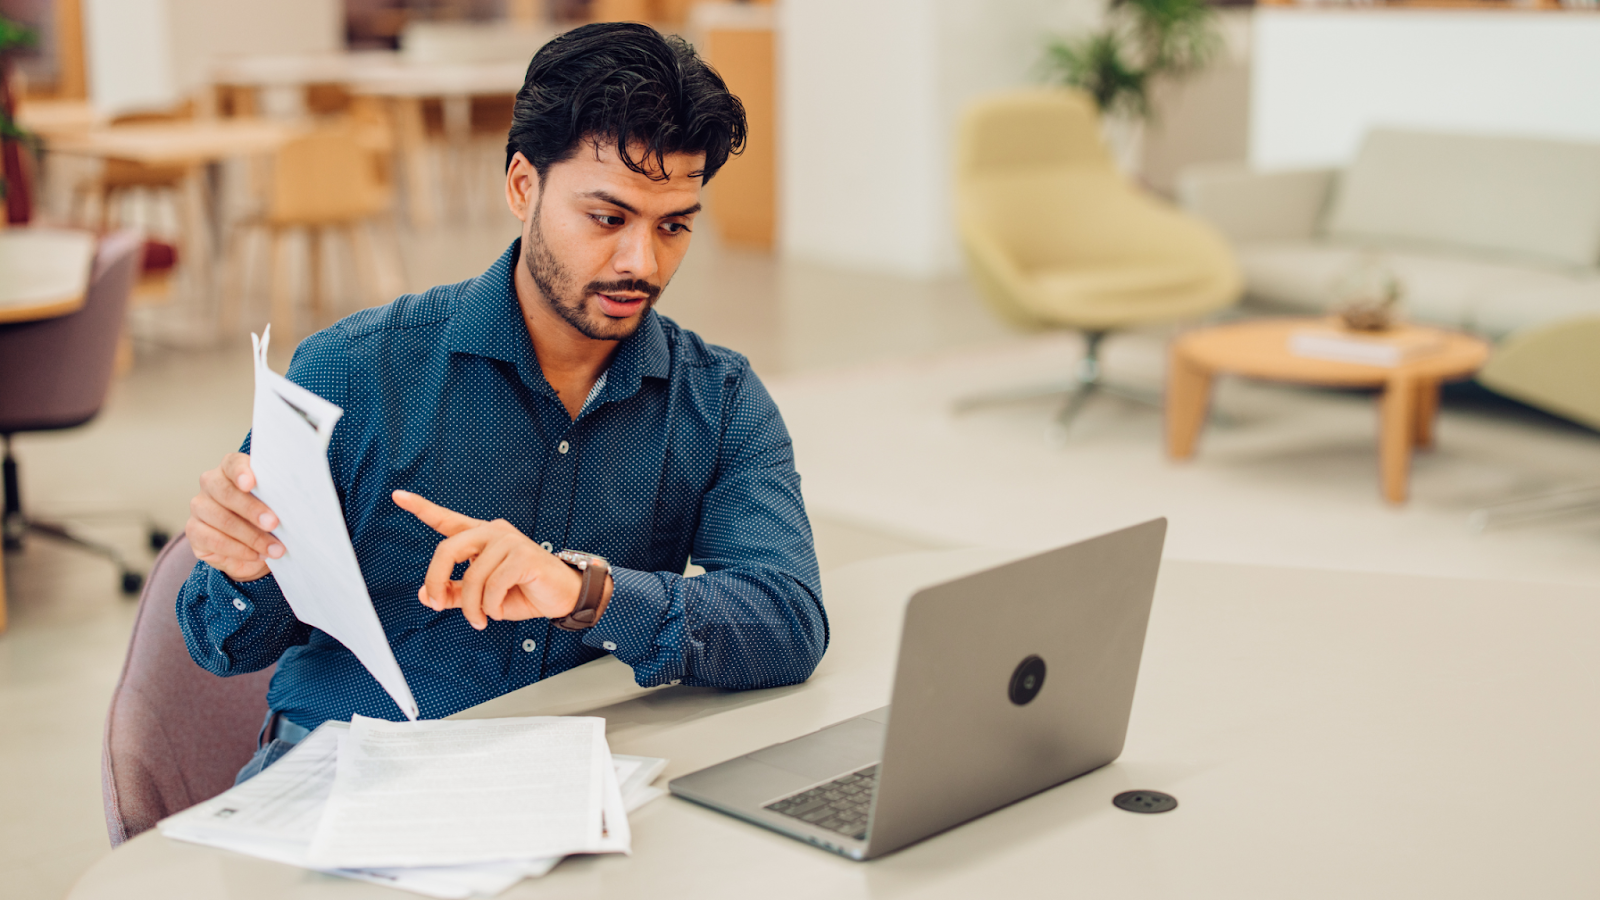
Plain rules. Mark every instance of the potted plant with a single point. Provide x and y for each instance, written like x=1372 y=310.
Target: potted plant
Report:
x=13 y=187
x=1141 y=43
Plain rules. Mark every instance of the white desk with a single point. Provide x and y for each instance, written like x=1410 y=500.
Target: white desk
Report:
x=1327 y=734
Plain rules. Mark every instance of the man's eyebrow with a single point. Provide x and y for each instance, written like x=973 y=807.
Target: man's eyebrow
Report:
x=605 y=197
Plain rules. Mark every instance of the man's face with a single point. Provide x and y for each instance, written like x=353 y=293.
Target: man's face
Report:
x=600 y=240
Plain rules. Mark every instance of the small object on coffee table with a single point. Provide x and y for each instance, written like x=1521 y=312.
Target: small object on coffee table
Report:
x=1369 y=297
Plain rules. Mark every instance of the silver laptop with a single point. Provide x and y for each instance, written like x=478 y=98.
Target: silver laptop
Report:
x=1009 y=681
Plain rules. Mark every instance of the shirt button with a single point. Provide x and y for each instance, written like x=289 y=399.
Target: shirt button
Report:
x=238 y=604
x=609 y=645
x=529 y=645
x=563 y=447
x=548 y=547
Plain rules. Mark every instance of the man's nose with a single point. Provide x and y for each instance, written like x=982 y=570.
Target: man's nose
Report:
x=636 y=255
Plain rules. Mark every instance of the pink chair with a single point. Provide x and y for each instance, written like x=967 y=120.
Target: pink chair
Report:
x=176 y=734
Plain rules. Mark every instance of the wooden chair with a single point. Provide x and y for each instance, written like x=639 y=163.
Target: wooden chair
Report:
x=119 y=177
x=332 y=179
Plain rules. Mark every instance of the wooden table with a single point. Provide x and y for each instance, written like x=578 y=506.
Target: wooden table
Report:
x=1260 y=349
x=402 y=82
x=198 y=145
x=44 y=273
x=454 y=85
x=189 y=142
x=1327 y=734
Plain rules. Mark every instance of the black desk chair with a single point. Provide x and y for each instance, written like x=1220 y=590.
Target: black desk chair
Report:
x=54 y=373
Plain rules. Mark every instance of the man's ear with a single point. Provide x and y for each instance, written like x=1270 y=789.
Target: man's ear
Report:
x=524 y=185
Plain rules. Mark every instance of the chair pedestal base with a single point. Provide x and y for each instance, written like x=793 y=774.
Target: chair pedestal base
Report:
x=18 y=526
x=1087 y=382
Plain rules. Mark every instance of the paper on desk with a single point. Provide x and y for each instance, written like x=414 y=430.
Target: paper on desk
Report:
x=318 y=571
x=454 y=792
x=274 y=816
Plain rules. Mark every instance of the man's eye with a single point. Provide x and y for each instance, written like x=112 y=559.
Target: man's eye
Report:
x=608 y=221
x=675 y=227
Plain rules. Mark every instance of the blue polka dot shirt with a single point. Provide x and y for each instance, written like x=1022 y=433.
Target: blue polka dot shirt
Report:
x=680 y=454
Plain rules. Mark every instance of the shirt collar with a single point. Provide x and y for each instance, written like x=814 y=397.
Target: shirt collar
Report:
x=487 y=321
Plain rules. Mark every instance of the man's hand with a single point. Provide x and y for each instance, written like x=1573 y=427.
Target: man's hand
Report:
x=511 y=577
x=229 y=528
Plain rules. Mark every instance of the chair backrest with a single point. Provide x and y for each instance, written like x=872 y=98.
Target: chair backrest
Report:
x=326 y=177
x=1040 y=127
x=54 y=373
x=176 y=734
x=1056 y=236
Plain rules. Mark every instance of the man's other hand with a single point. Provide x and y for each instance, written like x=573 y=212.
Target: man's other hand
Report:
x=511 y=578
x=229 y=528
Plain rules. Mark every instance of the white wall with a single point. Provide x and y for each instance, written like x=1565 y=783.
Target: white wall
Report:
x=1321 y=78
x=870 y=91
x=128 y=54
x=146 y=54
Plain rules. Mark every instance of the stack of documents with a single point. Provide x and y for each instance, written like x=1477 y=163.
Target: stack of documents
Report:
x=449 y=809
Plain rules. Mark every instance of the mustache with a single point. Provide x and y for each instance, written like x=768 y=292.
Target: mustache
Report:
x=631 y=285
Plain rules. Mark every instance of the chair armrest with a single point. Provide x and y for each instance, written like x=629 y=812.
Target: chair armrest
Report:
x=1249 y=205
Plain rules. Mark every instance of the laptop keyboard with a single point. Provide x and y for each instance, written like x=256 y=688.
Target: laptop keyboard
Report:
x=841 y=805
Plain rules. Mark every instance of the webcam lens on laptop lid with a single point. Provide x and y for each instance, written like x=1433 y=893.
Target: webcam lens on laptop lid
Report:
x=1027 y=680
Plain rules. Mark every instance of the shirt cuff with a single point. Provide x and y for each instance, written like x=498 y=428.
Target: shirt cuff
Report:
x=632 y=622
x=263 y=590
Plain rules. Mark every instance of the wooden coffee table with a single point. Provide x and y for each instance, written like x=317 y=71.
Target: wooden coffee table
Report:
x=1260 y=349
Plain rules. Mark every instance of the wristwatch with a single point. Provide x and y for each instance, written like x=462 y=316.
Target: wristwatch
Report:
x=591 y=594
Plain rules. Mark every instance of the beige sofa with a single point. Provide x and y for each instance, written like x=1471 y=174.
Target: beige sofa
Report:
x=1487 y=234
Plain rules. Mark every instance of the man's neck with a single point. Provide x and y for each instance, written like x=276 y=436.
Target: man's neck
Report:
x=571 y=361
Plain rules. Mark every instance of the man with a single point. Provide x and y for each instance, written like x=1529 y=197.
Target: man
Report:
x=542 y=405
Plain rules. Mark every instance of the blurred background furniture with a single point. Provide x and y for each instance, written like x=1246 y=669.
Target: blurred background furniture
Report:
x=1488 y=234
x=196 y=147
x=119 y=178
x=1260 y=349
x=55 y=372
x=175 y=734
x=739 y=40
x=44 y=273
x=1554 y=367
x=1056 y=237
x=326 y=180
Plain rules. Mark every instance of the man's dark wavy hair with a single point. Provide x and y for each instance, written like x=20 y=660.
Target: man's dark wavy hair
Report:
x=630 y=86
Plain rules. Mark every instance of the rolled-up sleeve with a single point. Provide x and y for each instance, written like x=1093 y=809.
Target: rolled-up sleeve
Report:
x=229 y=627
x=755 y=617
x=232 y=628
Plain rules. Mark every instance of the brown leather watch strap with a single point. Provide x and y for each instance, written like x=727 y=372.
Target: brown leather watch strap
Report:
x=591 y=593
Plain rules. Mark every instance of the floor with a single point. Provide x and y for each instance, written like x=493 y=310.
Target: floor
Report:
x=865 y=369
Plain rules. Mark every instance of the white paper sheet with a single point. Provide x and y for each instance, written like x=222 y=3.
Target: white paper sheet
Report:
x=274 y=816
x=483 y=790
x=318 y=571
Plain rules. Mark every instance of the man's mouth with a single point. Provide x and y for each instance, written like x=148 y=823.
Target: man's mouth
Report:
x=622 y=305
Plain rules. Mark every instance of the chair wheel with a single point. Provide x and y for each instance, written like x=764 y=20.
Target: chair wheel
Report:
x=132 y=582
x=159 y=538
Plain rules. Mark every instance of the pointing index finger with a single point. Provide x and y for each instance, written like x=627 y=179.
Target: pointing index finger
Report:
x=447 y=522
